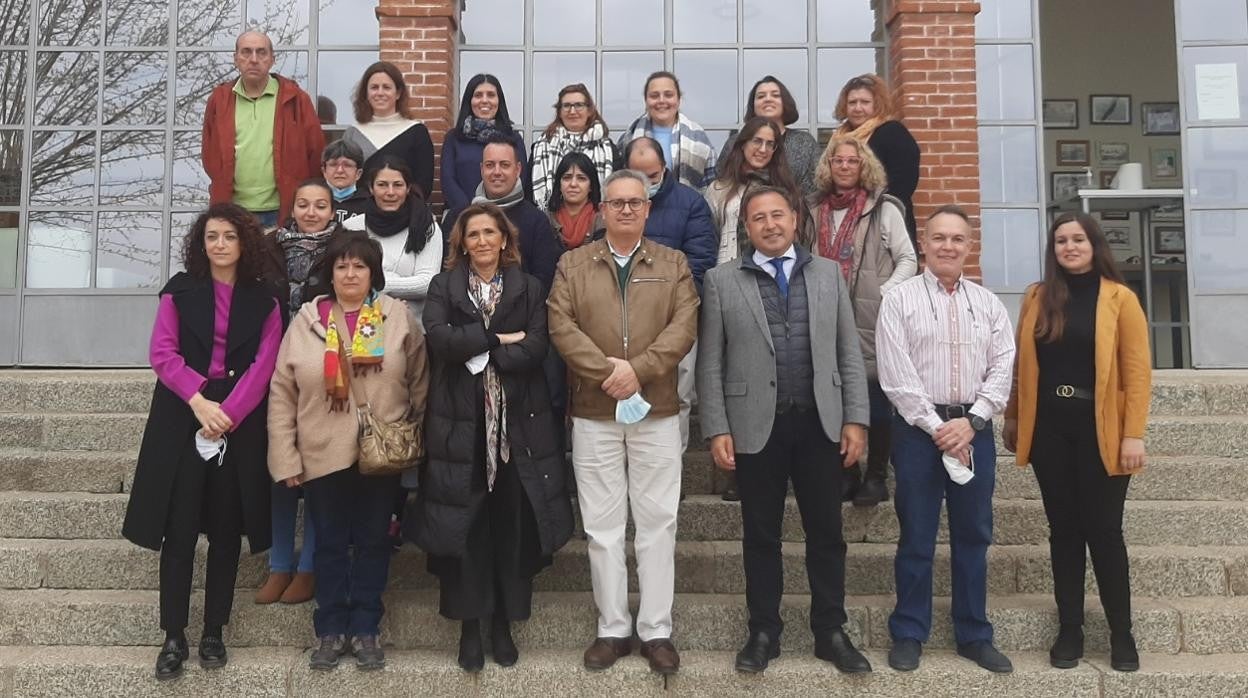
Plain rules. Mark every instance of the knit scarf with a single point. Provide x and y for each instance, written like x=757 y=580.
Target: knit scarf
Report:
x=574 y=229
x=497 y=444
x=694 y=160
x=302 y=252
x=364 y=347
x=511 y=198
x=864 y=130
x=548 y=151
x=481 y=130
x=413 y=216
x=839 y=247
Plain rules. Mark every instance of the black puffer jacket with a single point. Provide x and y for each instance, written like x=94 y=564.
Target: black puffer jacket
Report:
x=455 y=333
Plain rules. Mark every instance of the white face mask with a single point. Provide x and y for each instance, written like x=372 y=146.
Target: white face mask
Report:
x=960 y=474
x=210 y=449
x=632 y=409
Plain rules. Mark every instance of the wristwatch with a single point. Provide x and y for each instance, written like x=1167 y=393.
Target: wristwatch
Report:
x=977 y=422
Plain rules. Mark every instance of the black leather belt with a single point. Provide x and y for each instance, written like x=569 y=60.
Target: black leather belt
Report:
x=1070 y=392
x=948 y=412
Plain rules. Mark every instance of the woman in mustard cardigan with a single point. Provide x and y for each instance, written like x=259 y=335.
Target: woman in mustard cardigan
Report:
x=1077 y=413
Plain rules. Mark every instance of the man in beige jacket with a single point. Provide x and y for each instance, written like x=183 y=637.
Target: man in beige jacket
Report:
x=623 y=311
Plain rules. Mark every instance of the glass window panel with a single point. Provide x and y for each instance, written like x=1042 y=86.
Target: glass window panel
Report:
x=63 y=168
x=285 y=21
x=709 y=82
x=836 y=66
x=348 y=22
x=848 y=21
x=718 y=138
x=1216 y=244
x=1236 y=56
x=1204 y=20
x=564 y=23
x=292 y=64
x=1004 y=19
x=198 y=73
x=134 y=88
x=10 y=168
x=551 y=71
x=190 y=184
x=14 y=23
x=704 y=21
x=778 y=21
x=58 y=250
x=13 y=87
x=179 y=226
x=338 y=73
x=1007 y=162
x=209 y=22
x=621 y=26
x=137 y=22
x=507 y=66
x=1006 y=82
x=70 y=89
x=69 y=23
x=1217 y=160
x=491 y=22
x=132 y=168
x=9 y=222
x=788 y=66
x=128 y=250
x=623 y=77
x=1010 y=247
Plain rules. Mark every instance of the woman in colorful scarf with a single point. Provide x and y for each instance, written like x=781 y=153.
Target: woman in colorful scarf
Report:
x=863 y=229
x=201 y=464
x=491 y=509
x=482 y=115
x=355 y=334
x=577 y=128
x=688 y=150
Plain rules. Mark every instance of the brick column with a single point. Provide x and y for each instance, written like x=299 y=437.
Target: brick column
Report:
x=419 y=36
x=931 y=56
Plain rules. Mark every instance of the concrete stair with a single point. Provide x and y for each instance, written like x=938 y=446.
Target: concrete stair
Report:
x=78 y=606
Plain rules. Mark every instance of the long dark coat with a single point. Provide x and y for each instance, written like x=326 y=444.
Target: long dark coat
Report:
x=455 y=332
x=171 y=421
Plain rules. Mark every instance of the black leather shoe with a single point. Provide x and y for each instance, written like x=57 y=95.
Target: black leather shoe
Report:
x=212 y=652
x=169 y=661
x=836 y=647
x=502 y=645
x=471 y=654
x=904 y=655
x=850 y=478
x=987 y=657
x=730 y=493
x=872 y=491
x=1068 y=648
x=1122 y=653
x=759 y=649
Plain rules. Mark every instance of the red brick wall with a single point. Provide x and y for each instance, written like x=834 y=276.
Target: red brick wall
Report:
x=931 y=56
x=418 y=36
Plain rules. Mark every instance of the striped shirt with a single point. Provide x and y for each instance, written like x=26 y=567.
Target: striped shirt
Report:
x=937 y=347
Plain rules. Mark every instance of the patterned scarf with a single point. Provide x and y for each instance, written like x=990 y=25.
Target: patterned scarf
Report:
x=549 y=151
x=365 y=349
x=497 y=445
x=302 y=251
x=694 y=160
x=840 y=247
x=481 y=130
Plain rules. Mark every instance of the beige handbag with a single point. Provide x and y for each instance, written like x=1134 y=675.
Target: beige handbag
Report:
x=386 y=448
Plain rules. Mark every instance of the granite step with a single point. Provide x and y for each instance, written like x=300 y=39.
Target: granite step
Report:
x=701 y=567
x=1201 y=625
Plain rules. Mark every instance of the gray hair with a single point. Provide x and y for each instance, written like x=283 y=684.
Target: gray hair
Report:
x=342 y=148
x=628 y=174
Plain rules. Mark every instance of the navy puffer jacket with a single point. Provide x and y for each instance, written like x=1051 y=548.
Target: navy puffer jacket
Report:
x=681 y=219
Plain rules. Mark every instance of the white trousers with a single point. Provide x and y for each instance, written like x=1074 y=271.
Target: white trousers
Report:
x=687 y=391
x=619 y=467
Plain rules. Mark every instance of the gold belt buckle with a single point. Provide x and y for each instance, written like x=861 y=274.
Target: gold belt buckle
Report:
x=1066 y=391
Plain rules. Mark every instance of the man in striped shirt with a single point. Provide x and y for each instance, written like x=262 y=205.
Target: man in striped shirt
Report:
x=945 y=350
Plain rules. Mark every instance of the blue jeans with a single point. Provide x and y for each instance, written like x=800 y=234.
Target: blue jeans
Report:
x=282 y=554
x=268 y=219
x=351 y=511
x=921 y=485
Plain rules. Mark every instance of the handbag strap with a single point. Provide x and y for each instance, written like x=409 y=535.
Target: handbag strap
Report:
x=361 y=400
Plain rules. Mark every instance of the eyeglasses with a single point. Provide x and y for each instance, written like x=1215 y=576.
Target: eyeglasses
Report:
x=618 y=205
x=843 y=162
x=341 y=165
x=573 y=106
x=762 y=144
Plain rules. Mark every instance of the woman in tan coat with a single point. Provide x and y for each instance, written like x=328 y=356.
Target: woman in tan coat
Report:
x=314 y=442
x=1077 y=413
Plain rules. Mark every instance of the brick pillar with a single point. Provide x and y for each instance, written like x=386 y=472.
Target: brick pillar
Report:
x=419 y=36
x=932 y=68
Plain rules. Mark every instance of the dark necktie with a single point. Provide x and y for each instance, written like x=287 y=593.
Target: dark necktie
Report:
x=781 y=280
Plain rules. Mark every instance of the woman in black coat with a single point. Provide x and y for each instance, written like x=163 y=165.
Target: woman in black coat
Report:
x=492 y=507
x=213 y=348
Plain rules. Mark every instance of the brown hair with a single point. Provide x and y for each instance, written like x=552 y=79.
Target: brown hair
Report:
x=352 y=244
x=778 y=172
x=510 y=255
x=661 y=74
x=1054 y=292
x=250 y=239
x=788 y=105
x=871 y=177
x=591 y=110
x=879 y=92
x=364 y=110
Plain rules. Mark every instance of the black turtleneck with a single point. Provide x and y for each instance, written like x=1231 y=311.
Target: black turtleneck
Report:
x=1072 y=360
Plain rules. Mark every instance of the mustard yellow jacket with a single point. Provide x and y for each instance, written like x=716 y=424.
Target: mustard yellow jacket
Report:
x=1123 y=373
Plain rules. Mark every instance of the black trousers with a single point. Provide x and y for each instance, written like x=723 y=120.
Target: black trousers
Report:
x=797 y=449
x=205 y=497
x=1084 y=508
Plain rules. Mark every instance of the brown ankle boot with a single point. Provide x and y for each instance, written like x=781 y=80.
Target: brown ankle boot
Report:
x=301 y=588
x=273 y=587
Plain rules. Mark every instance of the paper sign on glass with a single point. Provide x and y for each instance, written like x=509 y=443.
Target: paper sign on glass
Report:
x=1217 y=91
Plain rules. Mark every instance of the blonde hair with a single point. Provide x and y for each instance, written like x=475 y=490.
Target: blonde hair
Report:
x=871 y=177
x=884 y=110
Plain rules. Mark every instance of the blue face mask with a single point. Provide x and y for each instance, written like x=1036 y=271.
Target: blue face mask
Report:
x=654 y=188
x=340 y=194
x=632 y=409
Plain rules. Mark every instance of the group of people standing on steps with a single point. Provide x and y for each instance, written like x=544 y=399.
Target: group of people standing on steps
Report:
x=577 y=296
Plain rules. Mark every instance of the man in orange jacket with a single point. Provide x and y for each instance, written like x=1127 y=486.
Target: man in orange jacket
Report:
x=261 y=135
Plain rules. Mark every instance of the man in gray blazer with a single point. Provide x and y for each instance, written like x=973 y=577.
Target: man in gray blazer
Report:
x=783 y=394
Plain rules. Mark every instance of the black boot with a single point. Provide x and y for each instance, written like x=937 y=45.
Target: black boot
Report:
x=1122 y=653
x=874 y=487
x=504 y=648
x=849 y=482
x=172 y=654
x=471 y=654
x=730 y=493
x=1068 y=648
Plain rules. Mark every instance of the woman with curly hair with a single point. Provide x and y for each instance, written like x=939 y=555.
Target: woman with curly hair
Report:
x=201 y=464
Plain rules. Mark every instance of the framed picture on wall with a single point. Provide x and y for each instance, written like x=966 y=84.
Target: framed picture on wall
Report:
x=1072 y=153
x=1168 y=239
x=1109 y=109
x=1112 y=154
x=1061 y=113
x=1118 y=235
x=1165 y=162
x=1160 y=118
x=1066 y=185
x=1107 y=178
